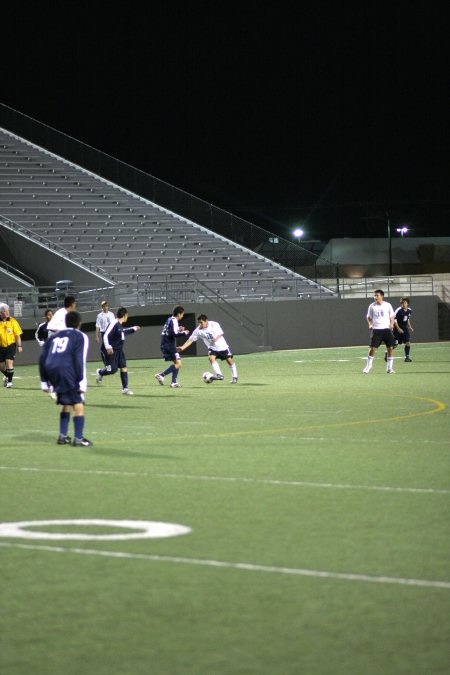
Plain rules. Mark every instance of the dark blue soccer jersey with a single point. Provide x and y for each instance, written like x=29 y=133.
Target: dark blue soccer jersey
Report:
x=62 y=361
x=169 y=333
x=115 y=335
x=402 y=317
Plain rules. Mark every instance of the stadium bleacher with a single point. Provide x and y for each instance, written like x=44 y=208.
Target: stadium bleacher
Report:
x=129 y=237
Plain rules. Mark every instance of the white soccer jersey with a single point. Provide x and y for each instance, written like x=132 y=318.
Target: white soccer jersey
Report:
x=58 y=321
x=209 y=335
x=380 y=315
x=103 y=320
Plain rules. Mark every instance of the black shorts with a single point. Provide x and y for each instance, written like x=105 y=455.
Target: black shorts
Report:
x=401 y=338
x=8 y=352
x=380 y=335
x=170 y=354
x=115 y=360
x=223 y=356
x=69 y=397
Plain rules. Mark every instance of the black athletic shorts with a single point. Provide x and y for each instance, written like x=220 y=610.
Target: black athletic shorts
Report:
x=8 y=352
x=380 y=335
x=402 y=338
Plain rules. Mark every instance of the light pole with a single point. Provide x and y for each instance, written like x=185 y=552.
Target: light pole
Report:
x=389 y=243
x=298 y=234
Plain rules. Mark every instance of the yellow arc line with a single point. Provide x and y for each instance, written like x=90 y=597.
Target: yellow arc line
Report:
x=439 y=407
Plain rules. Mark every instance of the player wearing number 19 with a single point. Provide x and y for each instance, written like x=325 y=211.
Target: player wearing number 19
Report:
x=62 y=363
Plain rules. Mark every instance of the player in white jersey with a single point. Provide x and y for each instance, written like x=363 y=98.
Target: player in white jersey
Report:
x=380 y=318
x=103 y=320
x=212 y=335
x=58 y=320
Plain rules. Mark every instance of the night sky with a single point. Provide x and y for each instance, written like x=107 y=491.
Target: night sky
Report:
x=327 y=115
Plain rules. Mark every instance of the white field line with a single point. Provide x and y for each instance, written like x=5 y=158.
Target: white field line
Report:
x=248 y=567
x=234 y=479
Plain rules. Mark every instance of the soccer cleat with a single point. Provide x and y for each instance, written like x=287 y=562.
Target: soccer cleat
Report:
x=390 y=371
x=98 y=377
x=127 y=392
x=63 y=440
x=8 y=385
x=234 y=380
x=175 y=385
x=160 y=378
x=408 y=360
x=81 y=441
x=219 y=377
x=367 y=369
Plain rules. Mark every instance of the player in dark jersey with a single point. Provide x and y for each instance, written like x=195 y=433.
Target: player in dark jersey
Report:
x=41 y=333
x=62 y=364
x=169 y=348
x=403 y=327
x=113 y=340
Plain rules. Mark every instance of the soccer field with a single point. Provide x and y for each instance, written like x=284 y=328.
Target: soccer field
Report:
x=314 y=502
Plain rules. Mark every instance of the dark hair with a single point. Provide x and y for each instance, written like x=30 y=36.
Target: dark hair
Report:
x=73 y=319
x=47 y=311
x=121 y=312
x=178 y=310
x=379 y=291
x=69 y=300
x=202 y=317
x=404 y=300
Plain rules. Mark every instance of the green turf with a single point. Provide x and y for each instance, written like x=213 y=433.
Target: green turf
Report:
x=318 y=499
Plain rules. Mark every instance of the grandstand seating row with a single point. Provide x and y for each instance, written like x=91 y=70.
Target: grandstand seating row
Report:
x=120 y=232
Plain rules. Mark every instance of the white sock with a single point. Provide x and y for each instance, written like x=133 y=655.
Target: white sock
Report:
x=233 y=370
x=216 y=368
x=369 y=360
x=390 y=362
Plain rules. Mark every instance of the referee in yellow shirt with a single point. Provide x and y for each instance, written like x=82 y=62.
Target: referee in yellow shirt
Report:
x=10 y=342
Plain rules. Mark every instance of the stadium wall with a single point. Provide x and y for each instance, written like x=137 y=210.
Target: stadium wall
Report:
x=256 y=326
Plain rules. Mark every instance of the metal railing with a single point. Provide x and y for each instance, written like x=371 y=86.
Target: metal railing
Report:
x=50 y=245
x=230 y=226
x=402 y=285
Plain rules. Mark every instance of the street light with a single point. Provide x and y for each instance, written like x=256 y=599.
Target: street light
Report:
x=402 y=230
x=298 y=234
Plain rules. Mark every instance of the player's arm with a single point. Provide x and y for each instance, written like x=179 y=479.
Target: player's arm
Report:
x=185 y=345
x=18 y=336
x=38 y=335
x=42 y=371
x=97 y=333
x=106 y=341
x=81 y=356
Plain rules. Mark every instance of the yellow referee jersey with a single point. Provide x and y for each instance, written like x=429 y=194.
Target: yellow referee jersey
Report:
x=9 y=329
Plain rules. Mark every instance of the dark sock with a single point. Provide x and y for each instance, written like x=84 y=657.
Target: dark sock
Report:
x=78 y=426
x=64 y=419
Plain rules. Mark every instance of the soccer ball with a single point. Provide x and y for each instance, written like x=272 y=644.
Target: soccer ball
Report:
x=208 y=377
